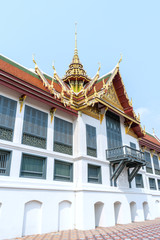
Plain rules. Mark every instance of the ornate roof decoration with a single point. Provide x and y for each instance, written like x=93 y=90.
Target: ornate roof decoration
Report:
x=76 y=73
x=92 y=96
x=97 y=96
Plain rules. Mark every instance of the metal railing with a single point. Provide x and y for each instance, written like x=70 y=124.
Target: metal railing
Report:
x=124 y=152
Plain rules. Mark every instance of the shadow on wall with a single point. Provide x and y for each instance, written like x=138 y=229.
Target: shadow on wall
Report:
x=65 y=216
x=98 y=212
x=133 y=210
x=0 y=207
x=157 y=209
x=146 y=211
x=117 y=212
x=32 y=218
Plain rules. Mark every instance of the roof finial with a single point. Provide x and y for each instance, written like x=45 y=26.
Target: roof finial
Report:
x=120 y=60
x=34 y=62
x=75 y=51
x=153 y=131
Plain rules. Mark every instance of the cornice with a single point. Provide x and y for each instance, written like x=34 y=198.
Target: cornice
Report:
x=23 y=87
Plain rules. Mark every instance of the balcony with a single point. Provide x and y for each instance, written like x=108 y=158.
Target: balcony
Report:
x=124 y=156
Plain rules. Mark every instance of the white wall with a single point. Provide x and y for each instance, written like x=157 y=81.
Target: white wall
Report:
x=78 y=197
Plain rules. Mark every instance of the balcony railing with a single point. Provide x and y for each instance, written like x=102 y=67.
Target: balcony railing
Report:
x=124 y=152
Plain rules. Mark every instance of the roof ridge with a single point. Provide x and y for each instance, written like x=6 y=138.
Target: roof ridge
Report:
x=21 y=67
x=105 y=75
x=150 y=134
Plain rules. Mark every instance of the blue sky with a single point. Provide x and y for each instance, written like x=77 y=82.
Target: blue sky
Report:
x=105 y=30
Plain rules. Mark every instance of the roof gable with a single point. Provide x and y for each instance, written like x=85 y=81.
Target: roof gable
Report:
x=99 y=94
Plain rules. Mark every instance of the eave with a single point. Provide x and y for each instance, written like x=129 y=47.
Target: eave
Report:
x=150 y=145
x=28 y=89
x=118 y=111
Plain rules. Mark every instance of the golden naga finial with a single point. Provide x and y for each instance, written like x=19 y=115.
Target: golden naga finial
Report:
x=99 y=68
x=120 y=60
x=130 y=102
x=144 y=128
x=53 y=63
x=52 y=83
x=153 y=131
x=138 y=117
x=34 y=62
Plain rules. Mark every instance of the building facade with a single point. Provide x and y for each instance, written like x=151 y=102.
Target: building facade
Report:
x=73 y=154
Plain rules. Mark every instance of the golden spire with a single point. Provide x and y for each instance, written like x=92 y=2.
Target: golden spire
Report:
x=75 y=51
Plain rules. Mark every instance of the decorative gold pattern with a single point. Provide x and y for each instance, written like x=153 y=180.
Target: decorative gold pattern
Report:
x=143 y=148
x=152 y=152
x=52 y=112
x=130 y=132
x=127 y=128
x=111 y=97
x=101 y=117
x=82 y=93
x=21 y=101
x=92 y=112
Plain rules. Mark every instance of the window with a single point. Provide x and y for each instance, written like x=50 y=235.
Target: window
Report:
x=148 y=160
x=91 y=141
x=33 y=166
x=152 y=184
x=133 y=146
x=114 y=138
x=158 y=183
x=4 y=162
x=139 y=181
x=7 y=118
x=156 y=165
x=63 y=135
x=35 y=127
x=63 y=171
x=94 y=174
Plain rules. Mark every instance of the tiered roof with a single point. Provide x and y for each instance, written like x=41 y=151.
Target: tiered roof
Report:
x=151 y=142
x=75 y=91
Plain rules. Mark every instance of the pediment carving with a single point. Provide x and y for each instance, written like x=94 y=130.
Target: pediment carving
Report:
x=112 y=98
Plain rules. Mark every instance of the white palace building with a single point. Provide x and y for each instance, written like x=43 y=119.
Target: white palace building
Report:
x=73 y=154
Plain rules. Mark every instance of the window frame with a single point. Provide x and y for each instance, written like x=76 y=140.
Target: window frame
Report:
x=63 y=178
x=114 y=130
x=139 y=185
x=99 y=177
x=89 y=147
x=149 y=169
x=156 y=166
x=158 y=183
x=33 y=135
x=9 y=128
x=155 y=187
x=68 y=148
x=44 y=166
x=8 y=164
